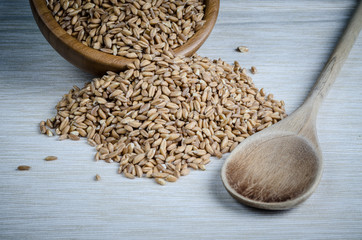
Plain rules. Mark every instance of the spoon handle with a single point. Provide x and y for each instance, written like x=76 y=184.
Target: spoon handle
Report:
x=336 y=60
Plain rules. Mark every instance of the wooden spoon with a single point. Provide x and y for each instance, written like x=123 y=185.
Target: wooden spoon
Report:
x=281 y=166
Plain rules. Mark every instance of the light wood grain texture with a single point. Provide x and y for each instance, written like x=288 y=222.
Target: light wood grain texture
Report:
x=97 y=62
x=288 y=41
x=280 y=167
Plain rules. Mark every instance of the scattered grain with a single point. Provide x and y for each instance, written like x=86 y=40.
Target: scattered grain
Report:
x=243 y=49
x=50 y=158
x=97 y=177
x=253 y=70
x=23 y=168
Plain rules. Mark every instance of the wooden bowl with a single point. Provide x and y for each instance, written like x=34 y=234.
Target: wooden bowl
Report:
x=97 y=62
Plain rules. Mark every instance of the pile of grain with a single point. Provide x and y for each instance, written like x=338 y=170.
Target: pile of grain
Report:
x=164 y=116
x=129 y=27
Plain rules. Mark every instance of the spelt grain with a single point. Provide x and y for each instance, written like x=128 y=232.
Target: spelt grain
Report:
x=160 y=181
x=50 y=158
x=165 y=115
x=97 y=177
x=243 y=49
x=23 y=168
x=253 y=70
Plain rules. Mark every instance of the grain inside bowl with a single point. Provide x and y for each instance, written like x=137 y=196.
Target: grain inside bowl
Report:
x=166 y=115
x=130 y=28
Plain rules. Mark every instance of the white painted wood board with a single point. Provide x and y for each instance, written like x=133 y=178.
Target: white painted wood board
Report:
x=289 y=42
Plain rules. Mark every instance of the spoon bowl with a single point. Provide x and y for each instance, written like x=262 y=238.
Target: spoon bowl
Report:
x=281 y=166
x=273 y=170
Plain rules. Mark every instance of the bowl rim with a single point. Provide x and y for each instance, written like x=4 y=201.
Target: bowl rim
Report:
x=56 y=33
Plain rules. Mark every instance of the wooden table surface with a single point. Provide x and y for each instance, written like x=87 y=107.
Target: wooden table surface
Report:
x=289 y=42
